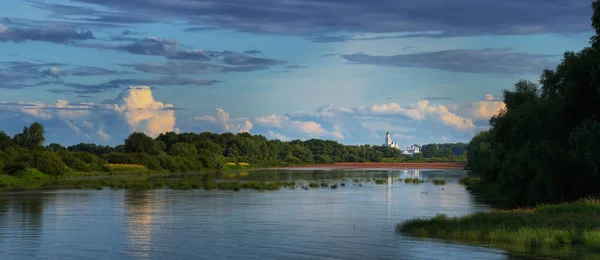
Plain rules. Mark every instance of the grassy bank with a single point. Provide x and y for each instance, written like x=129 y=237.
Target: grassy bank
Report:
x=546 y=226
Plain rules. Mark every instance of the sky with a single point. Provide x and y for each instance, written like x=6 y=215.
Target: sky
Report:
x=94 y=71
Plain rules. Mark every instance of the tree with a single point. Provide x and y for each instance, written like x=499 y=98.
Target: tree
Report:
x=31 y=137
x=183 y=149
x=544 y=146
x=5 y=141
x=141 y=143
x=55 y=147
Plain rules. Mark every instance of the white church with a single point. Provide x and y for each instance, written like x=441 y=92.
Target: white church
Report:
x=389 y=142
x=410 y=150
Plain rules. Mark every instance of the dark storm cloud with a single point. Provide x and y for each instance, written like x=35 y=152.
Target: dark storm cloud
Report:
x=497 y=61
x=310 y=18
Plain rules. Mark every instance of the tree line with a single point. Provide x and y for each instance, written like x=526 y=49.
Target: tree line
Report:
x=545 y=145
x=185 y=152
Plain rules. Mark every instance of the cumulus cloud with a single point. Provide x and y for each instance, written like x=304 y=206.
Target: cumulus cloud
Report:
x=491 y=60
x=420 y=111
x=220 y=121
x=297 y=127
x=135 y=109
x=482 y=110
x=277 y=136
x=144 y=114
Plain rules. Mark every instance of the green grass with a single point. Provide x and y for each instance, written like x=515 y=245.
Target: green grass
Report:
x=545 y=226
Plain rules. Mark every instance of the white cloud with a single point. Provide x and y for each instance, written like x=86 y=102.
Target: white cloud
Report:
x=220 y=121
x=74 y=128
x=144 y=114
x=310 y=128
x=102 y=135
x=484 y=110
x=489 y=97
x=3 y=28
x=133 y=110
x=54 y=71
x=278 y=136
x=270 y=121
x=403 y=137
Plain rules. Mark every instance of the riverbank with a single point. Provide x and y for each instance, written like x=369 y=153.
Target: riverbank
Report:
x=377 y=165
x=544 y=226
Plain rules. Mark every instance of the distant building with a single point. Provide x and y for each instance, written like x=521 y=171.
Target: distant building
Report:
x=389 y=142
x=411 y=150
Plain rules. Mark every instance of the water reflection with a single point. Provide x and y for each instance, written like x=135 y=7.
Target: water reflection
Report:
x=21 y=220
x=138 y=211
x=350 y=222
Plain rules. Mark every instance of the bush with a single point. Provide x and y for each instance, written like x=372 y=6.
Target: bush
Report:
x=50 y=163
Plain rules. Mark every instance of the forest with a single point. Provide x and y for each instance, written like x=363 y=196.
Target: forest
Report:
x=187 y=152
x=545 y=145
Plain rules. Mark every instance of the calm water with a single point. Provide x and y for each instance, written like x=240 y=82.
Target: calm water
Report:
x=351 y=222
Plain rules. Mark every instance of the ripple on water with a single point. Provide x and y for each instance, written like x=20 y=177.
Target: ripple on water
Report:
x=349 y=222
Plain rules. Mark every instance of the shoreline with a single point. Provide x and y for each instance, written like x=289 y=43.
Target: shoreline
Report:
x=373 y=165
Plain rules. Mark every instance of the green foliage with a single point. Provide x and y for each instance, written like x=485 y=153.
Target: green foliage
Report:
x=544 y=146
x=5 y=141
x=450 y=151
x=141 y=143
x=54 y=147
x=183 y=149
x=31 y=137
x=49 y=163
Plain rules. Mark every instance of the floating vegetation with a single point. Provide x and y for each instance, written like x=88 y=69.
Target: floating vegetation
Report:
x=413 y=180
x=380 y=181
x=439 y=181
x=334 y=186
x=324 y=185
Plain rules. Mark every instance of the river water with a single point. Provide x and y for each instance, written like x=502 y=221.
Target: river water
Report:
x=350 y=222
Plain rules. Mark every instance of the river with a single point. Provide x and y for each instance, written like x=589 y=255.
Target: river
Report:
x=351 y=222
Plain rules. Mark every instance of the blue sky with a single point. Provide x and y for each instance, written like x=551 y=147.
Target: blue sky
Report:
x=96 y=70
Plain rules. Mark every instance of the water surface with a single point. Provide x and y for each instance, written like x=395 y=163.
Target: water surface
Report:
x=351 y=222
